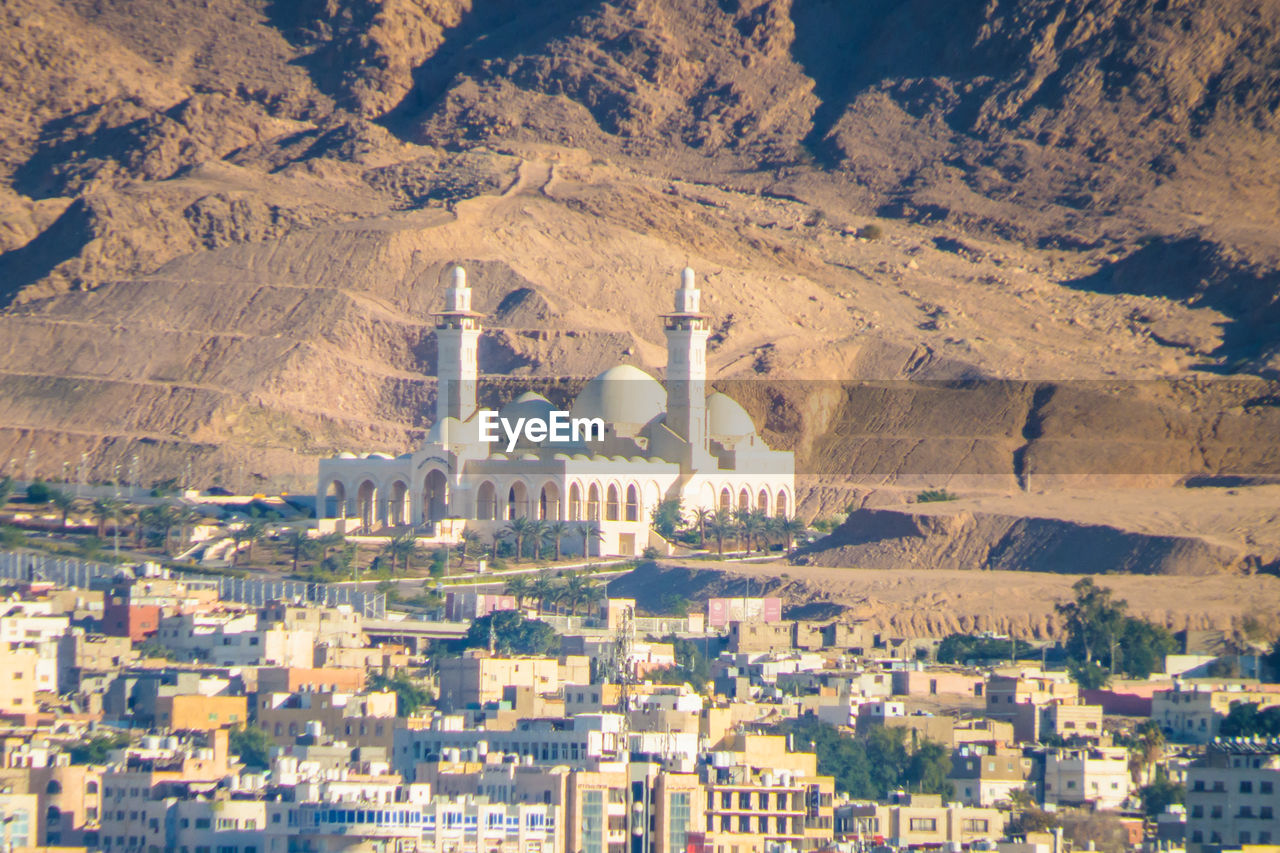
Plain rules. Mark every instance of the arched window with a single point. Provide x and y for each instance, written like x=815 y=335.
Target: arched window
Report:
x=611 y=504
x=762 y=501
x=726 y=500
x=91 y=788
x=780 y=508
x=549 y=503
x=575 y=503
x=54 y=787
x=52 y=816
x=399 y=510
x=744 y=500
x=335 y=500
x=487 y=502
x=435 y=496
x=367 y=500
x=593 y=503
x=633 y=504
x=517 y=501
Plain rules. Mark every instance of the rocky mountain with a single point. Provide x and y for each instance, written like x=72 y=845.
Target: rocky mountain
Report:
x=223 y=223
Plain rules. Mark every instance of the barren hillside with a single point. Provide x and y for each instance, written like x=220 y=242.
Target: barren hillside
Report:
x=223 y=223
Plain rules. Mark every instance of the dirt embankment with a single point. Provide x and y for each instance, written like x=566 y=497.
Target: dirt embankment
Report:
x=937 y=602
x=1179 y=531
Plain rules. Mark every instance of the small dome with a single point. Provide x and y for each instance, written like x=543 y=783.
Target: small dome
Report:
x=346 y=454
x=528 y=405
x=727 y=418
x=622 y=395
x=379 y=456
x=444 y=431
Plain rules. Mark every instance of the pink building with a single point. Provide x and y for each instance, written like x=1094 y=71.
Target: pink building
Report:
x=722 y=611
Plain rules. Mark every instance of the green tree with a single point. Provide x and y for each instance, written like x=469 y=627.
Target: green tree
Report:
x=791 y=529
x=1161 y=793
x=1272 y=660
x=518 y=587
x=400 y=550
x=104 y=509
x=251 y=745
x=959 y=648
x=700 y=517
x=1142 y=648
x=544 y=589
x=557 y=531
x=1248 y=719
x=720 y=527
x=665 y=517
x=64 y=503
x=518 y=529
x=95 y=748
x=512 y=633
x=589 y=532
x=39 y=492
x=1094 y=622
x=300 y=547
x=411 y=697
x=7 y=488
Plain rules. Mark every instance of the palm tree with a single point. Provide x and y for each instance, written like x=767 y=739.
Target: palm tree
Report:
x=187 y=517
x=755 y=527
x=64 y=503
x=300 y=545
x=104 y=509
x=249 y=532
x=519 y=588
x=518 y=529
x=555 y=531
x=401 y=549
x=590 y=532
x=6 y=489
x=1147 y=750
x=791 y=529
x=537 y=536
x=575 y=591
x=720 y=527
x=543 y=588
x=700 y=518
x=146 y=518
x=469 y=541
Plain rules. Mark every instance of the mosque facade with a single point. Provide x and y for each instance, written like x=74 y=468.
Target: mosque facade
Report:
x=657 y=443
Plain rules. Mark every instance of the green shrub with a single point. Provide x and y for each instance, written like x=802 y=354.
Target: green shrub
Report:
x=871 y=232
x=935 y=496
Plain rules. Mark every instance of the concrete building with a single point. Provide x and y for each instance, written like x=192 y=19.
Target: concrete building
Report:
x=1233 y=795
x=1192 y=711
x=476 y=678
x=1097 y=776
x=18 y=679
x=918 y=820
x=986 y=774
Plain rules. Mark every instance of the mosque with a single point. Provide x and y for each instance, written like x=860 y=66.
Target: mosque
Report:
x=657 y=443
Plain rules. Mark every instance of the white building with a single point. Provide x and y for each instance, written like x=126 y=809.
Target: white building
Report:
x=237 y=639
x=1097 y=776
x=1233 y=794
x=658 y=443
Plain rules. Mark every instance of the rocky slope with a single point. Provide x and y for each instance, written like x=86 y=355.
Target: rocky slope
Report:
x=223 y=223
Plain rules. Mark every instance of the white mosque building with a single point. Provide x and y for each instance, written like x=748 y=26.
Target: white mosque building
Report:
x=677 y=442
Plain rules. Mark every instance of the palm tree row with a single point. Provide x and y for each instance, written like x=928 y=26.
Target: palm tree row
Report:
x=570 y=591
x=750 y=530
x=537 y=533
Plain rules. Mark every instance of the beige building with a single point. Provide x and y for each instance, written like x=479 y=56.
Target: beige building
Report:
x=18 y=679
x=918 y=820
x=367 y=719
x=340 y=626
x=476 y=678
x=1193 y=711
x=986 y=774
x=1233 y=795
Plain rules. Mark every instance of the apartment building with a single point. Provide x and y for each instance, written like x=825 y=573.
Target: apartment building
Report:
x=1233 y=795
x=1022 y=699
x=918 y=820
x=1095 y=776
x=341 y=626
x=18 y=679
x=367 y=719
x=1193 y=711
x=581 y=741
x=986 y=774
x=237 y=639
x=476 y=678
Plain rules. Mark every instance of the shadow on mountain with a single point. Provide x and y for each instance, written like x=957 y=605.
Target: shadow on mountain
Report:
x=60 y=242
x=1203 y=275
x=908 y=47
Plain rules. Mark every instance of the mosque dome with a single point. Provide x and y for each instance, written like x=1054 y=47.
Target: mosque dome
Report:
x=622 y=395
x=450 y=431
x=727 y=418
x=530 y=404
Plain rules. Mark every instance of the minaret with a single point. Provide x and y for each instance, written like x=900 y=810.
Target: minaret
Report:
x=457 y=341
x=687 y=330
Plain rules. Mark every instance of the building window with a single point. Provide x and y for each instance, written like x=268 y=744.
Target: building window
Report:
x=975 y=825
x=678 y=823
x=924 y=824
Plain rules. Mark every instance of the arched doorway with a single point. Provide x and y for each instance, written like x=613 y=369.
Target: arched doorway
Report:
x=575 y=503
x=367 y=504
x=633 y=504
x=780 y=508
x=435 y=496
x=593 y=503
x=487 y=502
x=549 y=503
x=398 y=511
x=517 y=501
x=335 y=500
x=611 y=504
